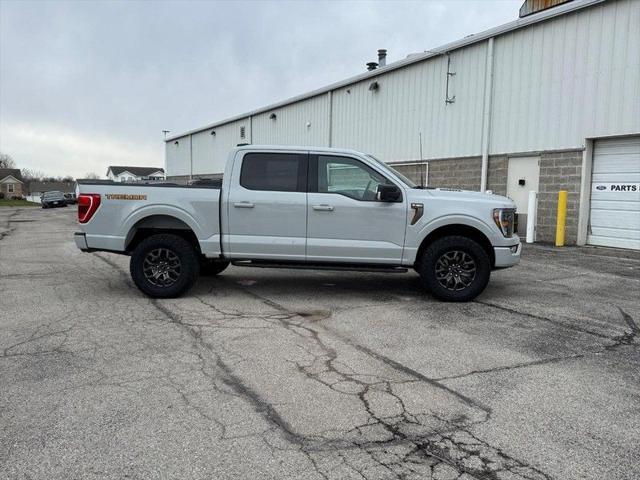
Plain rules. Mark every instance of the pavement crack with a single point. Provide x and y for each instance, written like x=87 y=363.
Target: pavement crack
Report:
x=544 y=319
x=518 y=365
x=627 y=338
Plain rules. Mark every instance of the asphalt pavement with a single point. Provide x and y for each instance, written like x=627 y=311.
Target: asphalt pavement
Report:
x=290 y=374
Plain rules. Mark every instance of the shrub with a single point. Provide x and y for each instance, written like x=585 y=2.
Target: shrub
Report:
x=1 y=195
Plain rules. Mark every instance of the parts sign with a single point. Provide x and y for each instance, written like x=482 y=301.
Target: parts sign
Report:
x=616 y=187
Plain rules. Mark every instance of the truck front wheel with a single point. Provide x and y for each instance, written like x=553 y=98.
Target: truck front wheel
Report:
x=164 y=266
x=455 y=268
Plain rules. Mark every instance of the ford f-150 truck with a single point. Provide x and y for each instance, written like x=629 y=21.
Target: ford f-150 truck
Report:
x=317 y=208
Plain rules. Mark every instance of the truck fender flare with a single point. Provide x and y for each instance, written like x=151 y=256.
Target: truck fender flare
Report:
x=452 y=220
x=165 y=210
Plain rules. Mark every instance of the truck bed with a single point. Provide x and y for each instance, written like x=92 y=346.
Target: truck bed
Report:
x=127 y=207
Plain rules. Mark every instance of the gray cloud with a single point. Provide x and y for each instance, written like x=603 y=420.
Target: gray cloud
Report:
x=88 y=84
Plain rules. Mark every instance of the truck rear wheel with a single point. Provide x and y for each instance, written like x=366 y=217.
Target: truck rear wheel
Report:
x=164 y=266
x=455 y=269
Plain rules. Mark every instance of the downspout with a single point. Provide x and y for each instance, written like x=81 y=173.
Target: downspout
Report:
x=190 y=157
x=486 y=120
x=251 y=129
x=330 y=132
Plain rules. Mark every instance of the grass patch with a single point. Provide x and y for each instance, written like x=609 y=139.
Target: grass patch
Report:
x=4 y=202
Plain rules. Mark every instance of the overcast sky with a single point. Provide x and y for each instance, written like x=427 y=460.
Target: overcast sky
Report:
x=87 y=84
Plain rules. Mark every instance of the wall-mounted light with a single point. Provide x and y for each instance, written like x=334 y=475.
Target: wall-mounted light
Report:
x=213 y=133
x=176 y=142
x=348 y=91
x=308 y=124
x=272 y=116
x=374 y=86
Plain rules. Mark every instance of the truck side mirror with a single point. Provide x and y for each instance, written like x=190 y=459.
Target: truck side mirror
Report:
x=389 y=193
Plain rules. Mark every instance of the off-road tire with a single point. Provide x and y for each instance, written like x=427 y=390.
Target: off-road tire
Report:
x=466 y=248
x=210 y=267
x=189 y=265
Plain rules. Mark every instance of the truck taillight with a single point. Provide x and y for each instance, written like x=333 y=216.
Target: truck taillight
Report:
x=88 y=203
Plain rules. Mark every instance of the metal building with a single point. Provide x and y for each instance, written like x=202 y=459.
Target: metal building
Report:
x=548 y=102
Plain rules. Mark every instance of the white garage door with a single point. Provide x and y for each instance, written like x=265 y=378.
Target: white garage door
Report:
x=615 y=193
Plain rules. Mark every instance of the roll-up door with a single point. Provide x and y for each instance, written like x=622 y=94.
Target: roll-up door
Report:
x=615 y=193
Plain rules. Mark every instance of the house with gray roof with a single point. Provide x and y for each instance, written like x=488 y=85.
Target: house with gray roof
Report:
x=11 y=182
x=134 y=174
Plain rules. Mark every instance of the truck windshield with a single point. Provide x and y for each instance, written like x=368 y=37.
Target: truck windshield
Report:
x=404 y=179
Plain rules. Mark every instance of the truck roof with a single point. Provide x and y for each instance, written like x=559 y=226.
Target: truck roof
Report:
x=297 y=148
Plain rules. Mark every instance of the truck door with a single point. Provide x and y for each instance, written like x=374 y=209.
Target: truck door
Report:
x=346 y=222
x=267 y=206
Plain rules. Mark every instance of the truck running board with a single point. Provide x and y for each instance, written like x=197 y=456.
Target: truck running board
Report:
x=352 y=267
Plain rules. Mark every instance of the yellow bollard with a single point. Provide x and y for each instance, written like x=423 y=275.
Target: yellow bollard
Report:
x=561 y=218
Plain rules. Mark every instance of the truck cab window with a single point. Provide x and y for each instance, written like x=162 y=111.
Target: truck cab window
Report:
x=282 y=172
x=349 y=177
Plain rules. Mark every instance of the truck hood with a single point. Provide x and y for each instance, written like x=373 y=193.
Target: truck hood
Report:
x=454 y=195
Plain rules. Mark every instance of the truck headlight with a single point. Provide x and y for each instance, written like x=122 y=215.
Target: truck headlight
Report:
x=504 y=218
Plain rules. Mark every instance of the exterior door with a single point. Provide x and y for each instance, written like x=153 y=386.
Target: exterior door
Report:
x=614 y=219
x=346 y=223
x=523 y=175
x=267 y=207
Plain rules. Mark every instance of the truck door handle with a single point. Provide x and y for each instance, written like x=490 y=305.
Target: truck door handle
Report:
x=323 y=208
x=244 y=205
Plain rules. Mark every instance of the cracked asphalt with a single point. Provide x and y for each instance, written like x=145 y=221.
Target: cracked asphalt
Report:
x=285 y=374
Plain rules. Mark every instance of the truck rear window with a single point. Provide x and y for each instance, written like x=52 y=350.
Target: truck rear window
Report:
x=282 y=172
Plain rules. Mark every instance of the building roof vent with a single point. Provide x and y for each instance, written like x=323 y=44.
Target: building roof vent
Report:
x=530 y=7
x=382 y=57
x=372 y=66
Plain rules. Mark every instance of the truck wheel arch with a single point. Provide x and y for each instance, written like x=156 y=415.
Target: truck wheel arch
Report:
x=459 y=230
x=159 y=223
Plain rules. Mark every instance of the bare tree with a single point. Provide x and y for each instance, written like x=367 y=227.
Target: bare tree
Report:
x=91 y=176
x=6 y=161
x=31 y=174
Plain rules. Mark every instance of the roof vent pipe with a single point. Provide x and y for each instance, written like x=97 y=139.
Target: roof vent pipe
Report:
x=382 y=57
x=372 y=66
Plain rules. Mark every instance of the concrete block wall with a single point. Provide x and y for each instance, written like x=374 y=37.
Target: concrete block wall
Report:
x=559 y=171
x=497 y=174
x=464 y=173
x=461 y=173
x=415 y=172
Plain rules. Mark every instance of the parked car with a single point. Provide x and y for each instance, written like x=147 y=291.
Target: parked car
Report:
x=316 y=208
x=53 y=199
x=70 y=198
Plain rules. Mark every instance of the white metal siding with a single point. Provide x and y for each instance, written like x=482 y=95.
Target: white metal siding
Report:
x=567 y=79
x=178 y=156
x=290 y=125
x=388 y=122
x=210 y=151
x=615 y=193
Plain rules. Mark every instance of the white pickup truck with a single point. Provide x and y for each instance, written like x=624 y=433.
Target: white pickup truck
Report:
x=314 y=208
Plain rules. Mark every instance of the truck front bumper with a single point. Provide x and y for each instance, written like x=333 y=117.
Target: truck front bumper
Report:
x=81 y=241
x=507 y=256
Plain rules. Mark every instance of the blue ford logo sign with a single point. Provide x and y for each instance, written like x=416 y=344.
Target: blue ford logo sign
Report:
x=601 y=187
